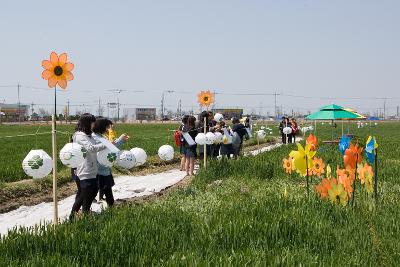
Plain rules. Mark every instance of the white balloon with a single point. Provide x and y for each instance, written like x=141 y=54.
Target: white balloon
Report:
x=287 y=130
x=261 y=134
x=166 y=152
x=210 y=138
x=219 y=137
x=140 y=155
x=37 y=164
x=106 y=158
x=218 y=117
x=72 y=155
x=200 y=139
x=126 y=160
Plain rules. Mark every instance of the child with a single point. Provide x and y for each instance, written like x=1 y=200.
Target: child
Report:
x=295 y=129
x=239 y=130
x=190 y=150
x=104 y=174
x=182 y=147
x=87 y=170
x=226 y=147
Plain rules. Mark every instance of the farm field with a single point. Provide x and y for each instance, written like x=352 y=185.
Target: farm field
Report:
x=13 y=150
x=239 y=212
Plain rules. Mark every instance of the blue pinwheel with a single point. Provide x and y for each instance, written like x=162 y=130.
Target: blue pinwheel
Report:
x=344 y=144
x=370 y=149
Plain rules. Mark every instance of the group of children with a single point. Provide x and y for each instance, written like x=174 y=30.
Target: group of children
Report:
x=90 y=176
x=232 y=145
x=291 y=123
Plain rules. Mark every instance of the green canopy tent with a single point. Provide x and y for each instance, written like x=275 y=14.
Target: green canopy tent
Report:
x=332 y=112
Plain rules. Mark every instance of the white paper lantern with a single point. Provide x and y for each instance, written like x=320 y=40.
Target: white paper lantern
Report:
x=210 y=138
x=287 y=130
x=261 y=134
x=140 y=155
x=106 y=158
x=218 y=117
x=166 y=152
x=219 y=137
x=126 y=160
x=262 y=127
x=37 y=164
x=200 y=139
x=72 y=154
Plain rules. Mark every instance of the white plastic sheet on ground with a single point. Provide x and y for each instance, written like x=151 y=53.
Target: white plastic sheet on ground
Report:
x=125 y=187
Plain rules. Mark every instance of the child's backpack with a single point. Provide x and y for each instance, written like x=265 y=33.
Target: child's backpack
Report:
x=178 y=138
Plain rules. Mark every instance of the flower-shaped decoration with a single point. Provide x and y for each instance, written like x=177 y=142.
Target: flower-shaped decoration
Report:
x=318 y=167
x=344 y=144
x=302 y=158
x=312 y=141
x=35 y=162
x=337 y=194
x=352 y=156
x=370 y=149
x=365 y=174
x=328 y=171
x=347 y=172
x=347 y=183
x=324 y=187
x=205 y=98
x=57 y=70
x=288 y=165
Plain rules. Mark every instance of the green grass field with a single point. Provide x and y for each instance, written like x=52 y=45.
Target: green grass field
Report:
x=245 y=220
x=13 y=150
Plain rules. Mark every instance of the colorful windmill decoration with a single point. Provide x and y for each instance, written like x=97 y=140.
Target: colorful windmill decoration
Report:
x=344 y=144
x=57 y=70
x=370 y=148
x=205 y=98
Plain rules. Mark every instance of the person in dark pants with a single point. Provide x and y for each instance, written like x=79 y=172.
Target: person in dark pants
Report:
x=104 y=174
x=282 y=125
x=295 y=129
x=190 y=150
x=241 y=131
x=87 y=170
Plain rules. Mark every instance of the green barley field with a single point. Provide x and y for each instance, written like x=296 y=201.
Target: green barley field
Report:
x=13 y=150
x=235 y=213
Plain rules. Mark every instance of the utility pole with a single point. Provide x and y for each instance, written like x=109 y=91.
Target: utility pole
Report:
x=19 y=106
x=100 y=107
x=68 y=111
x=276 y=108
x=397 y=113
x=118 y=108
x=384 y=108
x=162 y=106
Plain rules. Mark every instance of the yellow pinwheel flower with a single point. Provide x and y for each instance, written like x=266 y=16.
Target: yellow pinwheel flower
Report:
x=302 y=158
x=328 y=171
x=337 y=194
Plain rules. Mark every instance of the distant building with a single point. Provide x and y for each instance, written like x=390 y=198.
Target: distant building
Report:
x=141 y=114
x=12 y=112
x=229 y=113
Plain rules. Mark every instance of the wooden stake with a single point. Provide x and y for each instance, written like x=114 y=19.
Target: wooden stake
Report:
x=54 y=147
x=205 y=145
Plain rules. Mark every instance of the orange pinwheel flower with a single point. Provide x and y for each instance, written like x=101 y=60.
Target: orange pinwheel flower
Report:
x=347 y=183
x=352 y=156
x=348 y=172
x=319 y=167
x=205 y=98
x=365 y=173
x=324 y=187
x=57 y=70
x=288 y=165
x=312 y=141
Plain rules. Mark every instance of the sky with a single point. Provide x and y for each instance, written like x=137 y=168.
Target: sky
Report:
x=311 y=53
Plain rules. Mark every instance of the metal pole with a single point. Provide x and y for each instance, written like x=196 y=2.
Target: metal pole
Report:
x=54 y=146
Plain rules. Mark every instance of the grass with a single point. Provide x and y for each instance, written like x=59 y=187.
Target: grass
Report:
x=13 y=150
x=243 y=220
